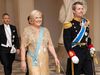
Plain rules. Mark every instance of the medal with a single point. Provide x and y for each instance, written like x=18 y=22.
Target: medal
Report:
x=86 y=33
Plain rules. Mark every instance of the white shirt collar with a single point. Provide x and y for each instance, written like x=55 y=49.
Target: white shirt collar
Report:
x=7 y=26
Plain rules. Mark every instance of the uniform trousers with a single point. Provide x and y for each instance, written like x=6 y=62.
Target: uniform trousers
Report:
x=85 y=62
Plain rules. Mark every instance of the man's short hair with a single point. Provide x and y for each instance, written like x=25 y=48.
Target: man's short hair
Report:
x=74 y=5
x=5 y=14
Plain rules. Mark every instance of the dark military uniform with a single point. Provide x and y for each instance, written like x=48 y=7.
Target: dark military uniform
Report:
x=82 y=51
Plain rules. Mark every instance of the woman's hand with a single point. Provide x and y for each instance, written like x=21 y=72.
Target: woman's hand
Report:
x=18 y=51
x=23 y=66
x=57 y=61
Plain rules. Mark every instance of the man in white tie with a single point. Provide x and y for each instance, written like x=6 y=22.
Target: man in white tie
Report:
x=9 y=43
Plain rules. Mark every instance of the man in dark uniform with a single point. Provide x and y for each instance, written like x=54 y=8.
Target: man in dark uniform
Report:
x=9 y=44
x=78 y=42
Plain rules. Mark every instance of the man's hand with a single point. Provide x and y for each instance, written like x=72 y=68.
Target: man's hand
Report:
x=73 y=57
x=92 y=51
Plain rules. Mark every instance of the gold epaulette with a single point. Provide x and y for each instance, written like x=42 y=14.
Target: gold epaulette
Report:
x=67 y=25
x=88 y=22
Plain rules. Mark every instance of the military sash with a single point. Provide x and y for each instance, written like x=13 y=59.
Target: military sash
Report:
x=35 y=54
x=80 y=35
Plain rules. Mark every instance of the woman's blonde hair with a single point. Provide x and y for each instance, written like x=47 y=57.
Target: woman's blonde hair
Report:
x=35 y=12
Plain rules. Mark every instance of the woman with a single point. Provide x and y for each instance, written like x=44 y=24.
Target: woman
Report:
x=37 y=39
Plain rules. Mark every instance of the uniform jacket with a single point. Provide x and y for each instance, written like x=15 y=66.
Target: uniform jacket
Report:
x=71 y=29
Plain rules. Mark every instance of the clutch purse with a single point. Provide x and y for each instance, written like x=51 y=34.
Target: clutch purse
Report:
x=58 y=68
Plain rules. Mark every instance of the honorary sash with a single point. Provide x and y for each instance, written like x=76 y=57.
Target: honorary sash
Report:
x=35 y=54
x=80 y=35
